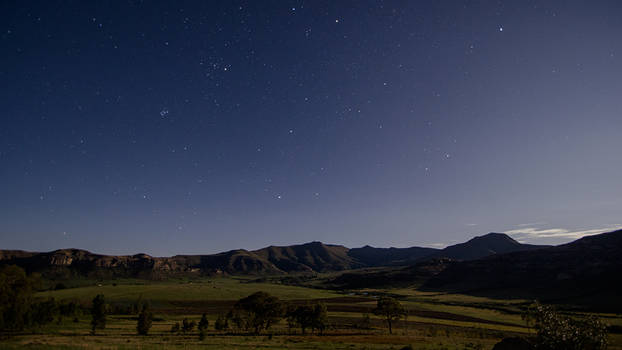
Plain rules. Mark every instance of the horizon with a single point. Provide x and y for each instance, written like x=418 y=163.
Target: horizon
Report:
x=205 y=127
x=575 y=236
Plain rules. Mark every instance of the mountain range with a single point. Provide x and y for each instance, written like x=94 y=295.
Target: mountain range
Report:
x=584 y=272
x=310 y=257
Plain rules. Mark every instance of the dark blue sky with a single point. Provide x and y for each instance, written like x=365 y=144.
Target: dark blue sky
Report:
x=196 y=127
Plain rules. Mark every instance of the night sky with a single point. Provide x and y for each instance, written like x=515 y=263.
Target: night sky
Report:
x=197 y=127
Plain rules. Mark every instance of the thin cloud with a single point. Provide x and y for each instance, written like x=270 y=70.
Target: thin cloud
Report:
x=532 y=224
x=533 y=233
x=437 y=245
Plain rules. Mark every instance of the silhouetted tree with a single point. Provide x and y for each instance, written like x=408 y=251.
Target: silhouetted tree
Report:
x=258 y=311
x=187 y=326
x=307 y=316
x=44 y=312
x=15 y=298
x=300 y=316
x=145 y=319
x=203 y=324
x=391 y=310
x=222 y=323
x=98 y=313
x=365 y=322
x=319 y=317
x=68 y=309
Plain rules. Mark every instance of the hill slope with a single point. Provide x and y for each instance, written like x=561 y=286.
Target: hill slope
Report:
x=314 y=256
x=371 y=256
x=587 y=270
x=482 y=246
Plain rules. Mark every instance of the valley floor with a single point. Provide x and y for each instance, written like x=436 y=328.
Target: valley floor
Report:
x=435 y=321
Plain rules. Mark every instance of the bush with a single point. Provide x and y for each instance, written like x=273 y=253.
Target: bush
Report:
x=203 y=323
x=365 y=322
x=44 y=312
x=555 y=331
x=222 y=323
x=98 y=313
x=15 y=298
x=187 y=326
x=145 y=319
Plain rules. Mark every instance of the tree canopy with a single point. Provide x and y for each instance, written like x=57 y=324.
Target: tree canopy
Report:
x=258 y=311
x=391 y=310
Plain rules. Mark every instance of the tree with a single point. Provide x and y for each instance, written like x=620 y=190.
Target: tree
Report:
x=15 y=298
x=300 y=316
x=365 y=322
x=390 y=309
x=307 y=316
x=145 y=319
x=222 y=323
x=203 y=324
x=43 y=312
x=555 y=331
x=319 y=317
x=187 y=326
x=98 y=313
x=258 y=311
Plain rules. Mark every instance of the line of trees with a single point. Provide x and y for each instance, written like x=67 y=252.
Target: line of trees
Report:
x=255 y=313
x=18 y=308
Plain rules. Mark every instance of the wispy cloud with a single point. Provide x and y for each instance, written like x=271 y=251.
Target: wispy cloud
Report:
x=525 y=234
x=437 y=245
x=532 y=224
x=471 y=224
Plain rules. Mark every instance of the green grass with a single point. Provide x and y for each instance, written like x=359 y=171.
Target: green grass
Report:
x=430 y=325
x=197 y=290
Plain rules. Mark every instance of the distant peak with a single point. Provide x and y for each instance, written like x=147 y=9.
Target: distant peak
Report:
x=496 y=236
x=314 y=244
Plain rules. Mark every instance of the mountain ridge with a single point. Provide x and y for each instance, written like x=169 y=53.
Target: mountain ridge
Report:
x=586 y=270
x=311 y=257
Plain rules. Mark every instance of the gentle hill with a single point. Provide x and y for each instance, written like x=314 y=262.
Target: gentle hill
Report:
x=482 y=246
x=371 y=256
x=382 y=277
x=314 y=256
x=585 y=271
x=238 y=261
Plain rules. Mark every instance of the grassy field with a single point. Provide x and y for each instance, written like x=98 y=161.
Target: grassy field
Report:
x=435 y=321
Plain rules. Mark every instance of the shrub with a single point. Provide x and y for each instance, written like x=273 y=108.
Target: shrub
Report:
x=222 y=323
x=555 y=331
x=187 y=326
x=145 y=319
x=98 y=313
